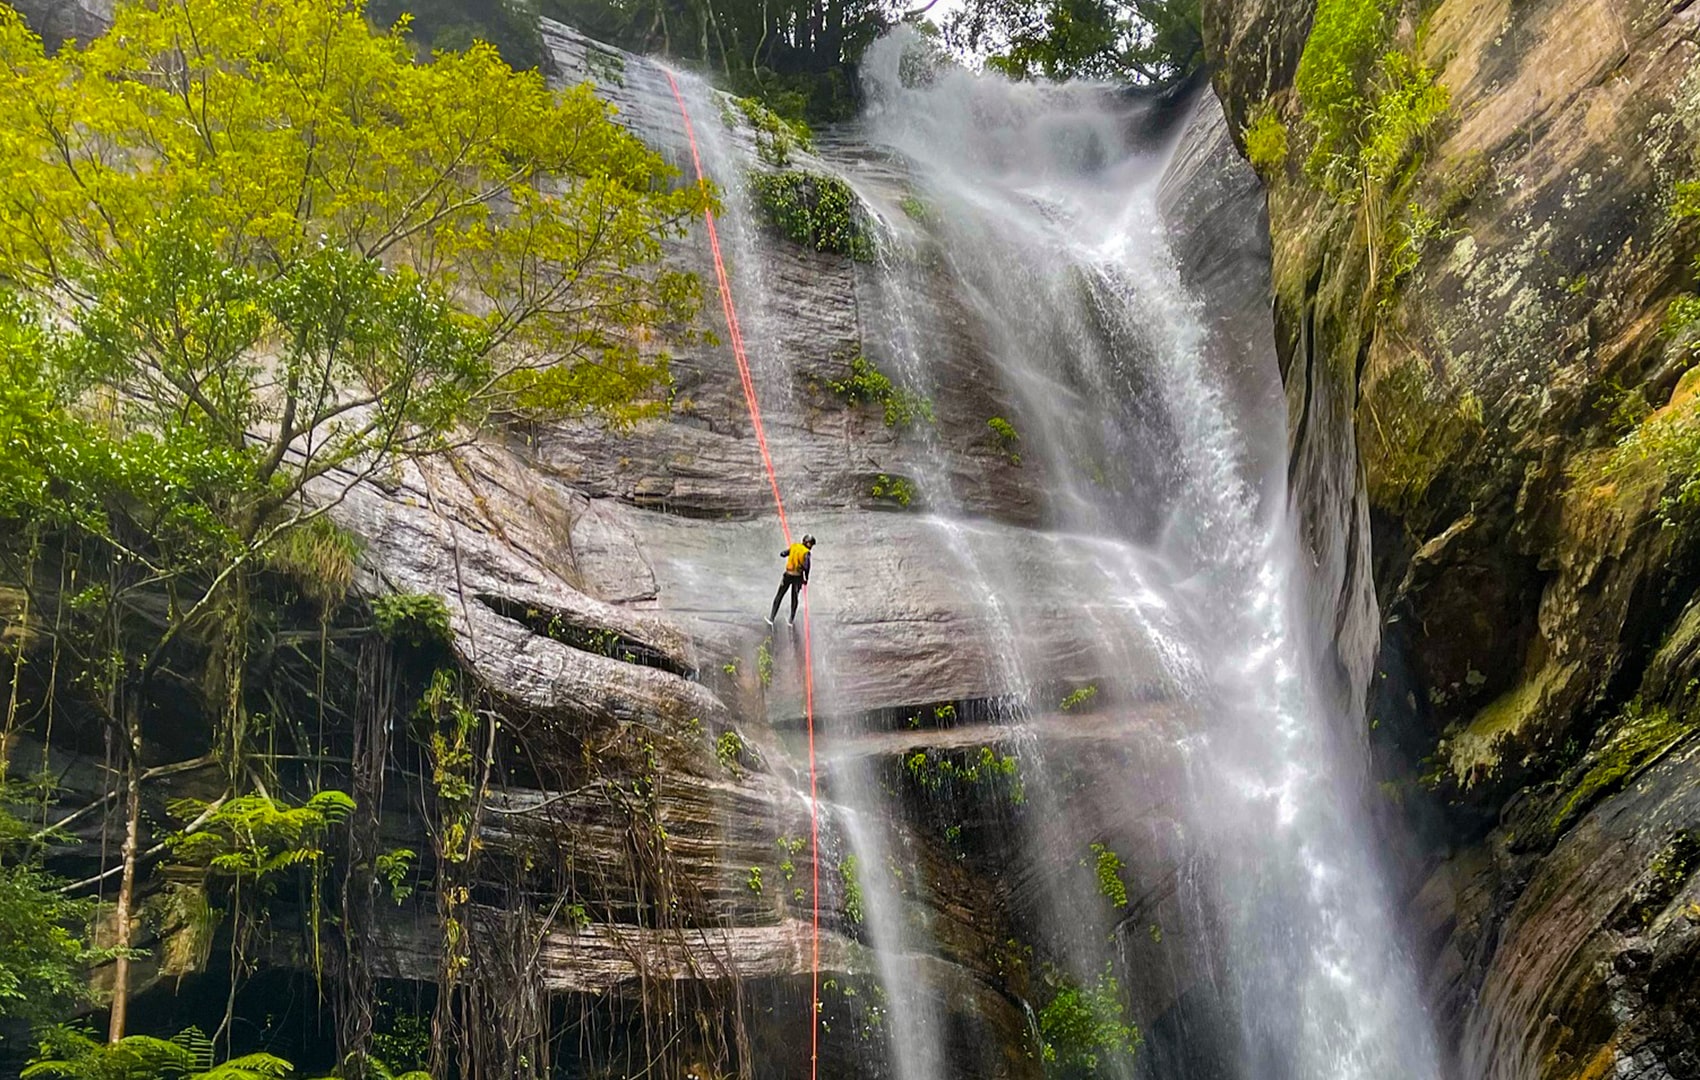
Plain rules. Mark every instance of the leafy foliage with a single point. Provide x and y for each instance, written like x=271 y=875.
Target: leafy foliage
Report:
x=1365 y=107
x=393 y=867
x=1107 y=865
x=251 y=837
x=775 y=135
x=72 y=1054
x=1007 y=438
x=896 y=488
x=729 y=751
x=1084 y=1030
x=847 y=876
x=1346 y=39
x=234 y=291
x=932 y=771
x=814 y=210
x=867 y=384
x=1148 y=41
x=1080 y=698
x=43 y=951
x=417 y=619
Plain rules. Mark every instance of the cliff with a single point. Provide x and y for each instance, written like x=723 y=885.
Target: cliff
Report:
x=1484 y=328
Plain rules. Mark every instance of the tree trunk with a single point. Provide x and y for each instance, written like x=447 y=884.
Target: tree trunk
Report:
x=123 y=912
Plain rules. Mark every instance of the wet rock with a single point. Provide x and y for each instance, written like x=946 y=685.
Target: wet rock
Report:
x=1523 y=586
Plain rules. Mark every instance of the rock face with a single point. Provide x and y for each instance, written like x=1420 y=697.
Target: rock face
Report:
x=1536 y=617
x=58 y=21
x=605 y=591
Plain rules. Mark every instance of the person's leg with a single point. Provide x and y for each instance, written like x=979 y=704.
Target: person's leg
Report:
x=796 y=591
x=777 y=598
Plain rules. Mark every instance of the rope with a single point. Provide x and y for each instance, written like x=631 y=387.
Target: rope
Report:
x=736 y=335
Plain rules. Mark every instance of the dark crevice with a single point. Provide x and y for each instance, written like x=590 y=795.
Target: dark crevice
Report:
x=601 y=641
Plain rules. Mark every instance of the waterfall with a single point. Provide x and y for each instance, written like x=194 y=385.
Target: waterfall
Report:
x=1046 y=206
x=1024 y=264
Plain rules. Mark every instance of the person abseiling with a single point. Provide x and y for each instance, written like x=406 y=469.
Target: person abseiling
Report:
x=796 y=576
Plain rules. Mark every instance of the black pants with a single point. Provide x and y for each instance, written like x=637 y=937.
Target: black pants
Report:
x=794 y=582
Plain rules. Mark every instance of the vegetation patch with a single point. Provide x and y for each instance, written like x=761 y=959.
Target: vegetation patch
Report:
x=1001 y=772
x=817 y=211
x=729 y=751
x=868 y=385
x=1008 y=440
x=1108 y=866
x=775 y=135
x=1642 y=735
x=852 y=888
x=896 y=488
x=1084 y=1030
x=1079 y=699
x=417 y=619
x=1266 y=140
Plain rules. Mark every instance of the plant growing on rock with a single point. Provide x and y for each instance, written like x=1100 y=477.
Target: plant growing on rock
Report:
x=1266 y=140
x=896 y=488
x=868 y=385
x=1107 y=866
x=420 y=620
x=775 y=136
x=1007 y=438
x=817 y=211
x=729 y=751
x=852 y=888
x=1083 y=1028
x=1080 y=698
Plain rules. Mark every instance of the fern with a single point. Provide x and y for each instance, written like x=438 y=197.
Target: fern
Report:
x=248 y=1067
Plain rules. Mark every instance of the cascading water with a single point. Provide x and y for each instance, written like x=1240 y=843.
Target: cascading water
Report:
x=1047 y=212
x=1155 y=561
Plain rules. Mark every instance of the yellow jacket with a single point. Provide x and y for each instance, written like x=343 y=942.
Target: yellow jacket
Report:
x=797 y=561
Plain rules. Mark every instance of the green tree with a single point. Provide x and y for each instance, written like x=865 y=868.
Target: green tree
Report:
x=254 y=254
x=1146 y=41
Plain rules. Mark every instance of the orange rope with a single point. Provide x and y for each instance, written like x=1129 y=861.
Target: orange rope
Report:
x=736 y=334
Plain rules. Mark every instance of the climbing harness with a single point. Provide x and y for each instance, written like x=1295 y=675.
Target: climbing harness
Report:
x=736 y=336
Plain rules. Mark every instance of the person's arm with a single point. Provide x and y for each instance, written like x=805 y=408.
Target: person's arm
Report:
x=806 y=559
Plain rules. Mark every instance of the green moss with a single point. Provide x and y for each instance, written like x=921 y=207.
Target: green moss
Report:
x=816 y=211
x=1365 y=107
x=1266 y=141
x=1410 y=428
x=1476 y=751
x=914 y=209
x=1643 y=733
x=1346 y=39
